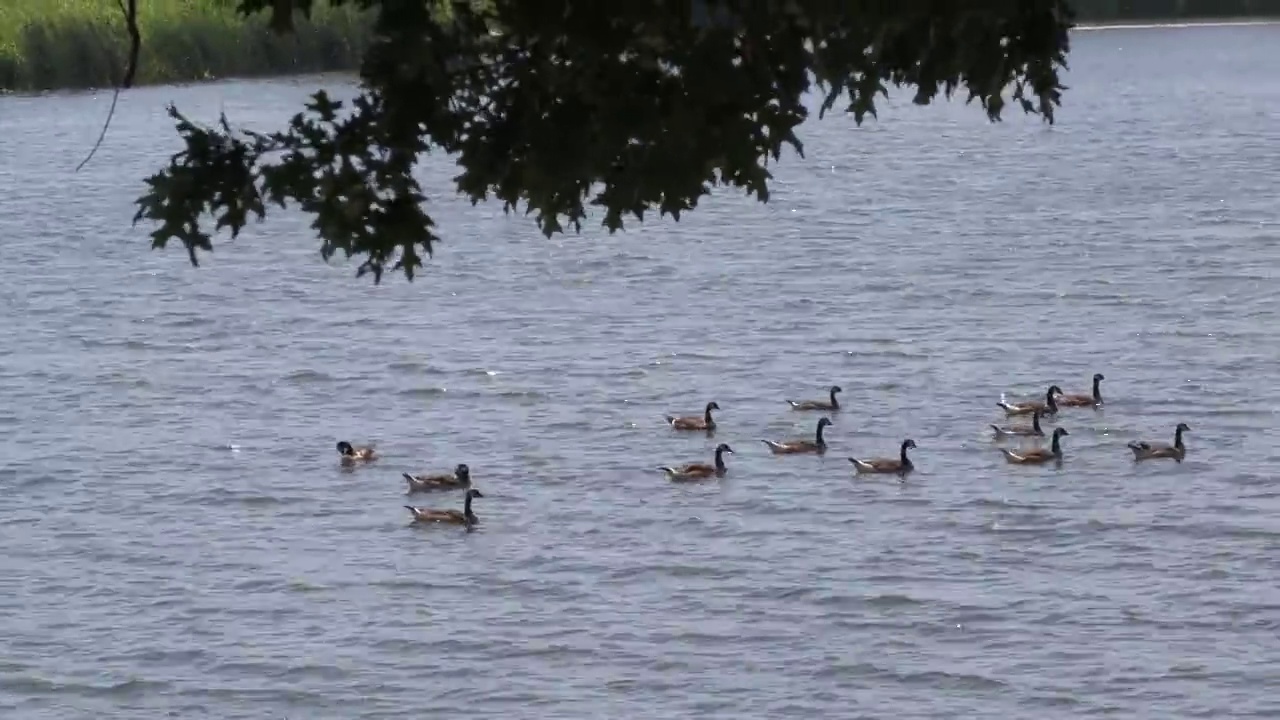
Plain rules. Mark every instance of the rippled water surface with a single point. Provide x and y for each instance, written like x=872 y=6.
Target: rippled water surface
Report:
x=179 y=539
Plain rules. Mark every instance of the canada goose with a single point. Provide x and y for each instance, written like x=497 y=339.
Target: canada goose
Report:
x=1143 y=450
x=1023 y=430
x=1085 y=400
x=459 y=478
x=351 y=453
x=455 y=517
x=698 y=471
x=1036 y=456
x=693 y=422
x=832 y=405
x=900 y=465
x=818 y=445
x=1048 y=407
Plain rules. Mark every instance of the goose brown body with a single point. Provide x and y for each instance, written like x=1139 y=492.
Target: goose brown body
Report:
x=459 y=478
x=455 y=517
x=900 y=465
x=699 y=471
x=1032 y=430
x=1143 y=450
x=1036 y=456
x=693 y=422
x=353 y=453
x=1048 y=407
x=789 y=447
x=829 y=405
x=1094 y=399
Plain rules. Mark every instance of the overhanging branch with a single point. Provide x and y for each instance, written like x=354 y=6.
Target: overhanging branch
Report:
x=130 y=11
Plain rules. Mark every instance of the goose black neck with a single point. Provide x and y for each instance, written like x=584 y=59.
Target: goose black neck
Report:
x=1057 y=444
x=819 y=439
x=906 y=462
x=719 y=459
x=706 y=415
x=1035 y=422
x=1097 y=389
x=1050 y=402
x=466 y=506
x=834 y=402
x=1177 y=438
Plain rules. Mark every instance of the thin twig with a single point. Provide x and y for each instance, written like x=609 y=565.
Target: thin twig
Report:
x=130 y=13
x=114 y=97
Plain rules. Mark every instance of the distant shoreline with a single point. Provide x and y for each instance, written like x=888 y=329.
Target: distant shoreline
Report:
x=245 y=50
x=1154 y=24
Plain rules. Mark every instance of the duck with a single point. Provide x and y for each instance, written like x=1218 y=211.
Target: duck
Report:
x=352 y=453
x=818 y=445
x=1036 y=456
x=698 y=471
x=1048 y=407
x=1085 y=400
x=833 y=405
x=900 y=465
x=452 y=517
x=693 y=422
x=1021 y=430
x=1143 y=450
x=459 y=478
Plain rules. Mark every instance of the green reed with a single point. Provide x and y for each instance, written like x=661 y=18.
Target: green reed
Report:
x=75 y=44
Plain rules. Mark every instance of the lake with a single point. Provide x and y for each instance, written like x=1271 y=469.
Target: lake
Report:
x=181 y=540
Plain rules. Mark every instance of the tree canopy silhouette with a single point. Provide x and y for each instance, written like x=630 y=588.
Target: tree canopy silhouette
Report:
x=555 y=106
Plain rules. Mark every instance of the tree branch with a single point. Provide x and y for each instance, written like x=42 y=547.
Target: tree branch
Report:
x=130 y=13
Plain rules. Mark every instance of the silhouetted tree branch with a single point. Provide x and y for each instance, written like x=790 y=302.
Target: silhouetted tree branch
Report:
x=559 y=105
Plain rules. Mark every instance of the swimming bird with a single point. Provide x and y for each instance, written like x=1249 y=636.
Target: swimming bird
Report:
x=1048 y=407
x=818 y=404
x=693 y=422
x=900 y=465
x=1143 y=450
x=788 y=447
x=459 y=478
x=698 y=471
x=352 y=453
x=1036 y=456
x=453 y=517
x=1085 y=400
x=1022 y=430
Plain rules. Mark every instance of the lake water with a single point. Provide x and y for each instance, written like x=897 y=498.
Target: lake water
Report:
x=180 y=540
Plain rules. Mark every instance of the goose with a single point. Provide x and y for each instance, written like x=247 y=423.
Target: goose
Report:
x=818 y=445
x=1036 y=456
x=1085 y=400
x=1143 y=450
x=1048 y=407
x=693 y=422
x=698 y=471
x=453 y=517
x=900 y=465
x=832 y=405
x=459 y=478
x=1021 y=430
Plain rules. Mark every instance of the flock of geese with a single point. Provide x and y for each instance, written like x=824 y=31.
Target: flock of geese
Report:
x=1047 y=409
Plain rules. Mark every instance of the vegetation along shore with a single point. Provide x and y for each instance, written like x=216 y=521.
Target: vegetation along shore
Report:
x=79 y=44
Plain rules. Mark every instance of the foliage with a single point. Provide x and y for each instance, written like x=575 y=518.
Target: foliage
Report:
x=67 y=44
x=560 y=105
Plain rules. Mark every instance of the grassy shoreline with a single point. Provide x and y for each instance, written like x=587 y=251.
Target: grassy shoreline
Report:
x=82 y=44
